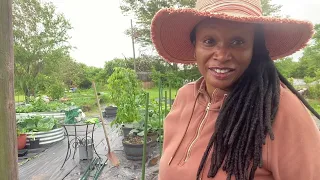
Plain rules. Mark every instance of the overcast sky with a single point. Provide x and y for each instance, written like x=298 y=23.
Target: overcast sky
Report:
x=98 y=26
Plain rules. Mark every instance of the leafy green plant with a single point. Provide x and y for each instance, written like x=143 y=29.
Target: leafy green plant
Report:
x=37 y=123
x=39 y=106
x=92 y=121
x=124 y=89
x=21 y=131
x=24 y=109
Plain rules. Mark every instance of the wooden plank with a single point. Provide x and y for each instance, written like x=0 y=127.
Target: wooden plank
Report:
x=8 y=138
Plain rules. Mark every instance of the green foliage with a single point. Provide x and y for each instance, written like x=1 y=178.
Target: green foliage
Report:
x=290 y=80
x=39 y=105
x=314 y=91
x=308 y=79
x=85 y=84
x=124 y=89
x=56 y=91
x=270 y=9
x=92 y=121
x=37 y=124
x=315 y=104
x=309 y=64
x=144 y=12
x=286 y=66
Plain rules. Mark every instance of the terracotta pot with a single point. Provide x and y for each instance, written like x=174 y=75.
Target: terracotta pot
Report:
x=22 y=140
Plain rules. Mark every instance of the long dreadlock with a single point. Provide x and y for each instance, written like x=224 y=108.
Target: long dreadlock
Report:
x=246 y=116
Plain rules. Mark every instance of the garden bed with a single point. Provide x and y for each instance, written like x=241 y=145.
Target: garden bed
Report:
x=48 y=137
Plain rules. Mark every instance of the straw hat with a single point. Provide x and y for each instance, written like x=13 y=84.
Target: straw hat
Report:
x=171 y=28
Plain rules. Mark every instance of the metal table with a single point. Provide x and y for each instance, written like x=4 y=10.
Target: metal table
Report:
x=79 y=136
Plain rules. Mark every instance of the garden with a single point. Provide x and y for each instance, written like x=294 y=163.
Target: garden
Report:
x=60 y=115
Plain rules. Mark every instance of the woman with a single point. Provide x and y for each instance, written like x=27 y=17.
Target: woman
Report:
x=242 y=119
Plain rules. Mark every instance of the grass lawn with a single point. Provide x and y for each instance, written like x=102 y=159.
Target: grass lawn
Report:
x=154 y=93
x=19 y=98
x=315 y=104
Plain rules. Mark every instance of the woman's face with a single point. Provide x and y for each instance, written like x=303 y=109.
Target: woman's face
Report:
x=223 y=51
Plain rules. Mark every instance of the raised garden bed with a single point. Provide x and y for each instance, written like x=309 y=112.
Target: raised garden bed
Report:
x=48 y=137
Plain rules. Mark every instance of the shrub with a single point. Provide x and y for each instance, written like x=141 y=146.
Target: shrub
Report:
x=314 y=91
x=56 y=91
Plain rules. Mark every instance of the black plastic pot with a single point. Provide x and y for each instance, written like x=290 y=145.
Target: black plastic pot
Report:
x=135 y=151
x=34 y=144
x=126 y=130
x=111 y=111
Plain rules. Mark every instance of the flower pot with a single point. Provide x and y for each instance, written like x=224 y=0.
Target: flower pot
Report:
x=133 y=147
x=22 y=141
x=34 y=143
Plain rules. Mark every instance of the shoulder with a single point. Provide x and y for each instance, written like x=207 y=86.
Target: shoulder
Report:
x=187 y=89
x=290 y=104
x=186 y=93
x=292 y=114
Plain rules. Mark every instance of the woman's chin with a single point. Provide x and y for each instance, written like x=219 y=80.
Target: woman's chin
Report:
x=220 y=84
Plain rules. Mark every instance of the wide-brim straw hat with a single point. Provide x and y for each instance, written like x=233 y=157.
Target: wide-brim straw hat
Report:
x=171 y=28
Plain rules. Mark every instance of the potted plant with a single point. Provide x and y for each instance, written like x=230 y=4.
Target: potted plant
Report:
x=125 y=89
x=21 y=138
x=133 y=146
x=34 y=142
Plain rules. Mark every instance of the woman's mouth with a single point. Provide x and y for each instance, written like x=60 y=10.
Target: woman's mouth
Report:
x=221 y=73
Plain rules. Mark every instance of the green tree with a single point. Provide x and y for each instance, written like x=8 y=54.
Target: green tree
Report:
x=286 y=66
x=144 y=11
x=309 y=64
x=270 y=9
x=40 y=42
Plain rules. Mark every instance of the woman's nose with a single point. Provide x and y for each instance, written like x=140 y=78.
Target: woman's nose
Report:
x=221 y=53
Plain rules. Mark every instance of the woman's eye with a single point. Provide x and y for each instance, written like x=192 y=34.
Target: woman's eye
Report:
x=209 y=42
x=237 y=42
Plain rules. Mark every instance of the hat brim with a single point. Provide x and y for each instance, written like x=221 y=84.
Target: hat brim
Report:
x=171 y=28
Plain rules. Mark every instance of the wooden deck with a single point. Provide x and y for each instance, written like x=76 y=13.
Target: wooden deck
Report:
x=46 y=165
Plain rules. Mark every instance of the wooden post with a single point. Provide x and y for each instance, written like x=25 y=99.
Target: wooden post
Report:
x=133 y=49
x=8 y=137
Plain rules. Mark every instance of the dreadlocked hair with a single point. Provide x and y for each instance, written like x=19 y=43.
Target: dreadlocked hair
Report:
x=246 y=117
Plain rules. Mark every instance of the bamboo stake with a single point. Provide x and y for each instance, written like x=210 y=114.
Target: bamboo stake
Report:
x=145 y=138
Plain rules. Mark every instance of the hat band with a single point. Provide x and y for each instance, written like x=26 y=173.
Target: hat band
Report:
x=222 y=7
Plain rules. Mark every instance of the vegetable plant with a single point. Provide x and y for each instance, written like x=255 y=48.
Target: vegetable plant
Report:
x=124 y=89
